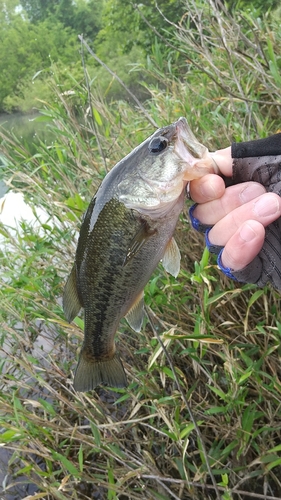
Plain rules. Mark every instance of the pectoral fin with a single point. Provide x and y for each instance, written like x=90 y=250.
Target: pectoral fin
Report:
x=135 y=315
x=171 y=258
x=71 y=302
x=138 y=241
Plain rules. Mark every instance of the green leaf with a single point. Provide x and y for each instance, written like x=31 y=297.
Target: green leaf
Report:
x=269 y=458
x=217 y=297
x=273 y=65
x=79 y=322
x=96 y=433
x=255 y=297
x=97 y=117
x=10 y=435
x=245 y=376
x=205 y=258
x=276 y=448
x=273 y=464
x=66 y=463
x=80 y=458
x=189 y=428
x=111 y=495
x=218 y=392
x=216 y=410
x=48 y=407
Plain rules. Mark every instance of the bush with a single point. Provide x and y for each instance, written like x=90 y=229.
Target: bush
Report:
x=202 y=422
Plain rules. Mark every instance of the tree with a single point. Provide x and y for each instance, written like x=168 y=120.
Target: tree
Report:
x=262 y=5
x=39 y=10
x=82 y=16
x=123 y=17
x=7 y=11
x=26 y=49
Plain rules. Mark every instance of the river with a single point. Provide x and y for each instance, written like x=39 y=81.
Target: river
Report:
x=26 y=128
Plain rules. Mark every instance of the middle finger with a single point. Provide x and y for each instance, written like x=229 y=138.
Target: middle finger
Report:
x=264 y=209
x=234 y=196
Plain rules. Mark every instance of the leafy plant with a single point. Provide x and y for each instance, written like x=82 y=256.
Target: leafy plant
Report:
x=201 y=415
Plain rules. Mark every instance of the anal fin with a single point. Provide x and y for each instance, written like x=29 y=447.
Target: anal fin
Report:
x=135 y=315
x=171 y=258
x=71 y=302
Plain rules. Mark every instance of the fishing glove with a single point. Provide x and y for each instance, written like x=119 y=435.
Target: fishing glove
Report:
x=258 y=161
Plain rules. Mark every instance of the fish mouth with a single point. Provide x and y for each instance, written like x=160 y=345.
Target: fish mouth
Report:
x=187 y=146
x=183 y=129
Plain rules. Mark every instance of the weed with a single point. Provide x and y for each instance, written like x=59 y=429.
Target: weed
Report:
x=222 y=339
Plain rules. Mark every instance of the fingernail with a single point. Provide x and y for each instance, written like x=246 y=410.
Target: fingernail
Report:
x=247 y=233
x=266 y=206
x=251 y=191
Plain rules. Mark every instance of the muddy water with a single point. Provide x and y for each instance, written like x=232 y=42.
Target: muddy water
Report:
x=25 y=128
x=18 y=488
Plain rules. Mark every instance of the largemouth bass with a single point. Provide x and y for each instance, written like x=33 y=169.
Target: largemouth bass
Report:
x=127 y=229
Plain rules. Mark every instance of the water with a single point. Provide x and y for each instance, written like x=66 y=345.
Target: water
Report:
x=25 y=128
x=3 y=188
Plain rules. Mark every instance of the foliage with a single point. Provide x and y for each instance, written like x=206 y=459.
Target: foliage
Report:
x=223 y=340
x=123 y=65
x=33 y=93
x=250 y=5
x=231 y=79
x=41 y=33
x=121 y=16
x=30 y=49
x=81 y=16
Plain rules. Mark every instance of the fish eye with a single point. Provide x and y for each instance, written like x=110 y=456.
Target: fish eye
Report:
x=158 y=144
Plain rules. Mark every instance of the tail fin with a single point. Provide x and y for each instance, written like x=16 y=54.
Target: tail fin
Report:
x=89 y=374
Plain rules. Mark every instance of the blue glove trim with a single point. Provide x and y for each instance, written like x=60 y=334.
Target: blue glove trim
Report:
x=226 y=270
x=212 y=248
x=196 y=224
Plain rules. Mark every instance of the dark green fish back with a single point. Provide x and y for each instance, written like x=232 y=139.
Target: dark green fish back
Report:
x=113 y=264
x=106 y=281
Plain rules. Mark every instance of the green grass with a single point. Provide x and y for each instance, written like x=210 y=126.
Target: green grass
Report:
x=201 y=416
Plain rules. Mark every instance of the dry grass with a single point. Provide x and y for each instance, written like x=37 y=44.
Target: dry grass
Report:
x=202 y=423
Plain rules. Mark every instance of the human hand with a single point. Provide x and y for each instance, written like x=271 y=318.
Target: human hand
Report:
x=242 y=222
x=238 y=214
